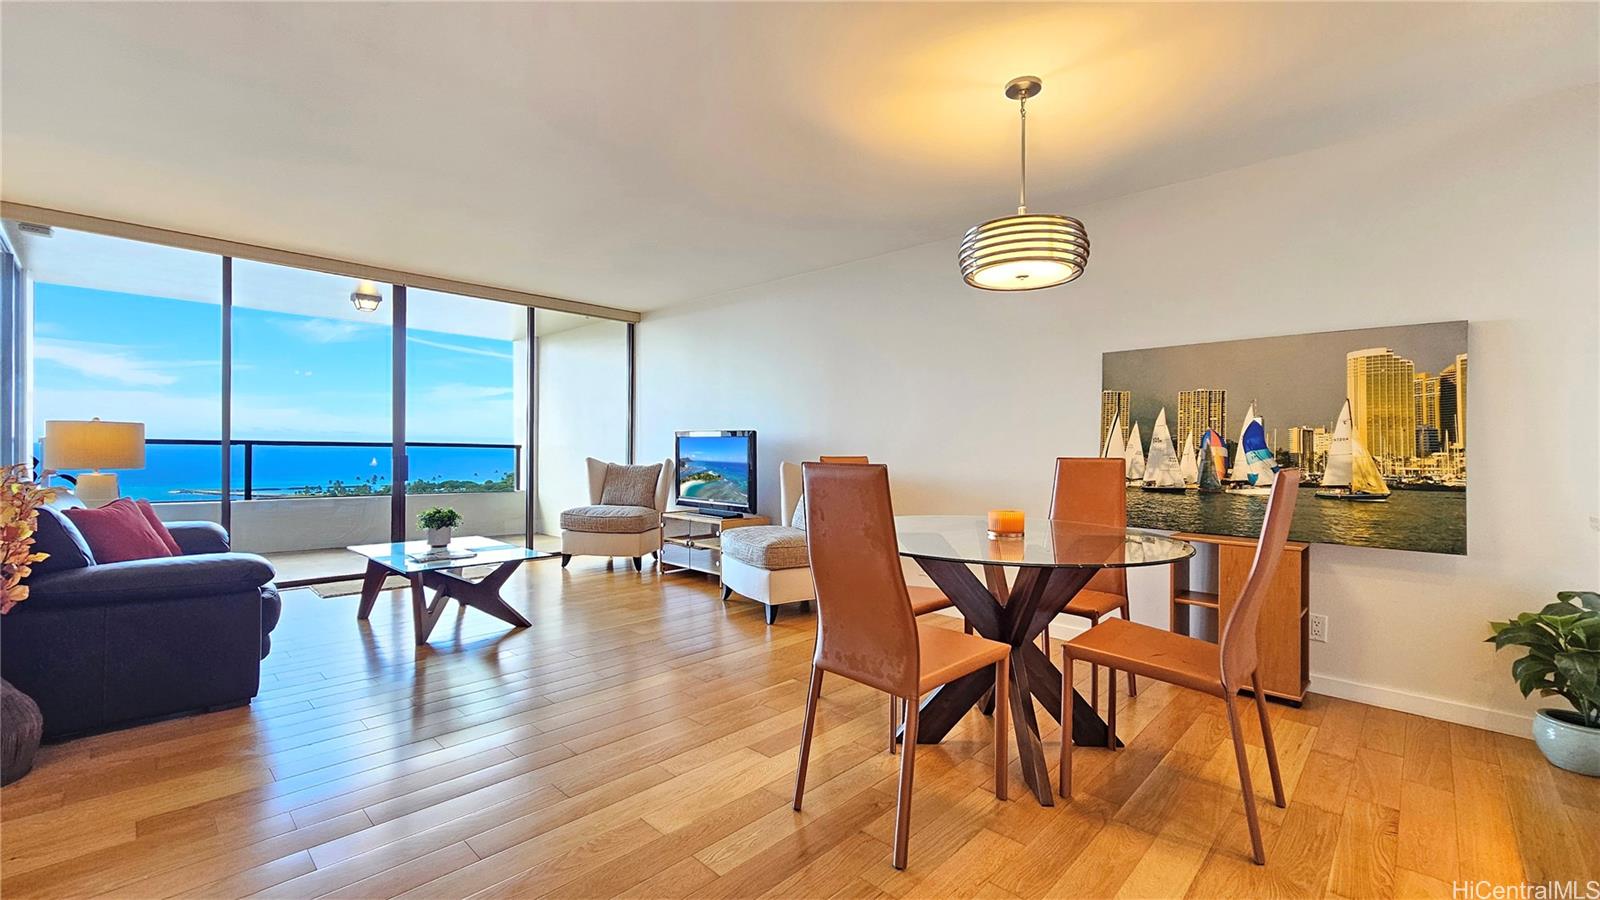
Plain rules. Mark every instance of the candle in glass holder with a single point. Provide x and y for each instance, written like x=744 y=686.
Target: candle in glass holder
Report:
x=1005 y=523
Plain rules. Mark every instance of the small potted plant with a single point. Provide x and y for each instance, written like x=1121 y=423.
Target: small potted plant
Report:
x=1563 y=659
x=439 y=521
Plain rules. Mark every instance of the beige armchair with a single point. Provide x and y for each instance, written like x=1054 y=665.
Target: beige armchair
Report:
x=624 y=515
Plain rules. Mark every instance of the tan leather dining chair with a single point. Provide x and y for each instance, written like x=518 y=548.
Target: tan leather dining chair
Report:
x=1219 y=669
x=924 y=600
x=1093 y=490
x=865 y=627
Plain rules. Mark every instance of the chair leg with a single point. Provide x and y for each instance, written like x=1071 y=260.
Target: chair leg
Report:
x=726 y=593
x=902 y=814
x=1133 y=686
x=1266 y=738
x=1111 y=708
x=1260 y=855
x=565 y=558
x=1002 y=709
x=806 y=727
x=1066 y=722
x=1094 y=675
x=894 y=720
x=638 y=564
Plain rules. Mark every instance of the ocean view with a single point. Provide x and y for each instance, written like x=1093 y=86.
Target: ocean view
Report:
x=193 y=472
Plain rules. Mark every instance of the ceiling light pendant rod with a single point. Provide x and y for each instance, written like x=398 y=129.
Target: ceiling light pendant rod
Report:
x=1022 y=192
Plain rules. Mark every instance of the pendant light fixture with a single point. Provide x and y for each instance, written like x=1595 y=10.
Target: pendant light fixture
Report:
x=366 y=297
x=1026 y=251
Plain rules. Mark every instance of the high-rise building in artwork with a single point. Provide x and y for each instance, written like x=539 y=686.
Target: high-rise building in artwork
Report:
x=1115 y=406
x=1461 y=401
x=1303 y=446
x=1449 y=403
x=1428 y=440
x=1425 y=400
x=1382 y=405
x=1199 y=410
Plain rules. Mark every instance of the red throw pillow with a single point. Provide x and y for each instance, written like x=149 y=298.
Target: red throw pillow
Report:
x=118 y=532
x=160 y=528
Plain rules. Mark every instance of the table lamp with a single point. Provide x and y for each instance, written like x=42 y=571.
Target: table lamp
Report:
x=94 y=445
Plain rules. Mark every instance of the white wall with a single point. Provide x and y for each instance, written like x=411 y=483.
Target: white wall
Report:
x=968 y=396
x=583 y=411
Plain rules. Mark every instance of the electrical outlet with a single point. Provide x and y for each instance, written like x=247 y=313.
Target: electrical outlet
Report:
x=1319 y=628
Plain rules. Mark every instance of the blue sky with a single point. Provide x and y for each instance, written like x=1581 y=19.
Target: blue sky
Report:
x=158 y=361
x=715 y=449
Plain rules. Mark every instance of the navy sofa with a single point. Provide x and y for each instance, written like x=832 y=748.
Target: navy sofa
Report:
x=102 y=646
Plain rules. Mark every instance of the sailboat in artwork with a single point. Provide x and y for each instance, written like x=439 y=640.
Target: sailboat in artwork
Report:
x=1189 y=464
x=1134 y=455
x=1351 y=472
x=1213 y=461
x=1163 y=472
x=1260 y=468
x=1114 y=448
x=1240 y=475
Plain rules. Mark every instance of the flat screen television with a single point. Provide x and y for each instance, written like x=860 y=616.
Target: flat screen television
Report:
x=716 y=471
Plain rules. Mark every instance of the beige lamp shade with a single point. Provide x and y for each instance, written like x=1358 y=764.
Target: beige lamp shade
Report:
x=93 y=445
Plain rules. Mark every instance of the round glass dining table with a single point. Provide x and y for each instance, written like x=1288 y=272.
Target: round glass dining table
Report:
x=1053 y=561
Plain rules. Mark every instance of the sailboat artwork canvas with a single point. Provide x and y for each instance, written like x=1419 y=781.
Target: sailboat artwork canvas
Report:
x=1373 y=420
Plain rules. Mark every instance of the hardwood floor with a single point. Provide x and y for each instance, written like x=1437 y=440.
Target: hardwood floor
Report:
x=640 y=740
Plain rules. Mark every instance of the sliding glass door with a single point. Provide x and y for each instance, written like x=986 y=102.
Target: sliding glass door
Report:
x=312 y=414
x=582 y=386
x=467 y=412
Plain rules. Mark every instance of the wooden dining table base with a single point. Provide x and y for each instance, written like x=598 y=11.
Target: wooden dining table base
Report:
x=1014 y=615
x=482 y=595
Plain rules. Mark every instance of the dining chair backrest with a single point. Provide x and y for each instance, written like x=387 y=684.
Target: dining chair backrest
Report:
x=865 y=628
x=853 y=460
x=1238 y=638
x=1093 y=490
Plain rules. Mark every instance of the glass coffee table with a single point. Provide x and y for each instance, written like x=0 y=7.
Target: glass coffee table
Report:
x=444 y=576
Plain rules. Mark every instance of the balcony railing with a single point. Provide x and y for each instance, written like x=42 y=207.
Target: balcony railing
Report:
x=265 y=470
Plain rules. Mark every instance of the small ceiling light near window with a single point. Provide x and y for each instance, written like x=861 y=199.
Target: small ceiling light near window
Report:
x=1026 y=251
x=366 y=297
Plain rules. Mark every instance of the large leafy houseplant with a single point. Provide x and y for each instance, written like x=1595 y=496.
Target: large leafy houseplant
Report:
x=1563 y=658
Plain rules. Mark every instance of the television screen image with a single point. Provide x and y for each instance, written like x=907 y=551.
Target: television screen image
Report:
x=715 y=469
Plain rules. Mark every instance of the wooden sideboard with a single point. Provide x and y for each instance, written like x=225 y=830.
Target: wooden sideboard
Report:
x=1211 y=582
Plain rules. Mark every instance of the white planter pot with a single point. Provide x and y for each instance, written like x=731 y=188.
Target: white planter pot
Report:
x=439 y=537
x=1567 y=744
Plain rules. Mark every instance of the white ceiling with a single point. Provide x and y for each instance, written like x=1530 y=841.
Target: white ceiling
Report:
x=641 y=155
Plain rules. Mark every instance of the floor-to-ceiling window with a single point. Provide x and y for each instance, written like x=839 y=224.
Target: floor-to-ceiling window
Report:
x=466 y=411
x=131 y=332
x=582 y=384
x=497 y=403
x=312 y=410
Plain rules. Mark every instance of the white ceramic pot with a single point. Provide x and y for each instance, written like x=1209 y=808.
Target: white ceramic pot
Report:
x=1565 y=743
x=439 y=537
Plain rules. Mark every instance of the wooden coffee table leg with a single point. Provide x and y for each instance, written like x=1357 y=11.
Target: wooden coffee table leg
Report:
x=371 y=584
x=423 y=615
x=482 y=595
